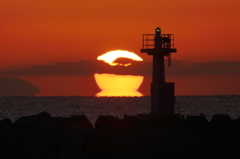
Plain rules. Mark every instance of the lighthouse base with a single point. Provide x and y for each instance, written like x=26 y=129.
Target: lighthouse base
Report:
x=162 y=99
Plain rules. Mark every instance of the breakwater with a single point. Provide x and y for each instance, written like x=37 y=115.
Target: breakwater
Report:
x=143 y=136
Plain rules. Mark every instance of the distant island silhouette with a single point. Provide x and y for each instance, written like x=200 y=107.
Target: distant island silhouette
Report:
x=12 y=86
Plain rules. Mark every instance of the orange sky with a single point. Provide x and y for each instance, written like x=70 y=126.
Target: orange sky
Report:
x=44 y=32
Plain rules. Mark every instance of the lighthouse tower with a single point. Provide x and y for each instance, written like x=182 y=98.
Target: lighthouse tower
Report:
x=160 y=46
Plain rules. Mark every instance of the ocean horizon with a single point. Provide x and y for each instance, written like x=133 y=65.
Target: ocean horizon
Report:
x=91 y=106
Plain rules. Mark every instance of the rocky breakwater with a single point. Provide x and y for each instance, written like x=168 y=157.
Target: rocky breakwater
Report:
x=144 y=136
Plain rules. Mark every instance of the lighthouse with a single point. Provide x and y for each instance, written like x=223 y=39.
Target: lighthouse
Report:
x=160 y=46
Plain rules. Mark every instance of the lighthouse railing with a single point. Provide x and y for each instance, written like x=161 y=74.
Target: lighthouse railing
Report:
x=149 y=43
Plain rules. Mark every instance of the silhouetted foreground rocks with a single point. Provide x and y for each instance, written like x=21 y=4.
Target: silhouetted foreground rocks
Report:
x=143 y=136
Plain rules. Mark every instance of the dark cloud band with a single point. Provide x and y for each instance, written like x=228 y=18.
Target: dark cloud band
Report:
x=89 y=67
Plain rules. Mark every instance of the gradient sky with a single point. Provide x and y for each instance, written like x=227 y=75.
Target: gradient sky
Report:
x=46 y=32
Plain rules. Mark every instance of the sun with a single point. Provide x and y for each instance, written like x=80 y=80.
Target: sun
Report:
x=111 y=56
x=118 y=85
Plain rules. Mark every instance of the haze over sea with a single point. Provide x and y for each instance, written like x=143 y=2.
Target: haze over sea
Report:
x=92 y=107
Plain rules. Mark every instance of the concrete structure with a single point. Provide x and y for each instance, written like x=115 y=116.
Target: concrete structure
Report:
x=162 y=93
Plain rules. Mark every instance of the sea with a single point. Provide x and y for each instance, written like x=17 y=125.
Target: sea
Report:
x=66 y=106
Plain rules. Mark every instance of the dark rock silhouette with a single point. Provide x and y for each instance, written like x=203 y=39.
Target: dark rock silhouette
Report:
x=143 y=136
x=106 y=122
x=10 y=86
x=221 y=120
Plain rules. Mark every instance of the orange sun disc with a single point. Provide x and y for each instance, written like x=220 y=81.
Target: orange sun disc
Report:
x=111 y=56
x=118 y=85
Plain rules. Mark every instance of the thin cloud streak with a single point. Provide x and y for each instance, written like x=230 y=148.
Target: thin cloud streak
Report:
x=181 y=68
x=89 y=67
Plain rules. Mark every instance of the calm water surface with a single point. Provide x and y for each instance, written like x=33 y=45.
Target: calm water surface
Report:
x=92 y=107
